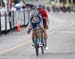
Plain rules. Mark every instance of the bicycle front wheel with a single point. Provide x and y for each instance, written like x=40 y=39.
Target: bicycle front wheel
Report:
x=42 y=47
x=37 y=50
x=36 y=45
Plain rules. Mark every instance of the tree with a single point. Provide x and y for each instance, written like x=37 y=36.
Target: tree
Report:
x=73 y=1
x=16 y=1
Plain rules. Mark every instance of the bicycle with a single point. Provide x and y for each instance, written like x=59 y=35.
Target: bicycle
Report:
x=38 y=36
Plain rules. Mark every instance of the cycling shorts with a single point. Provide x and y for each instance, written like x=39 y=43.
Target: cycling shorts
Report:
x=44 y=23
x=35 y=25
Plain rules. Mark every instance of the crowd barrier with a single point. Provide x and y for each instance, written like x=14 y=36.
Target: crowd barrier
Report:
x=9 y=21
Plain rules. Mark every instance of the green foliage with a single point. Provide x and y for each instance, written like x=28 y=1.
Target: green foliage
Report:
x=16 y=1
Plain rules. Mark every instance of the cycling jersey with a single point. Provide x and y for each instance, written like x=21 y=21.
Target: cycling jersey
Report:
x=44 y=16
x=36 y=21
x=43 y=13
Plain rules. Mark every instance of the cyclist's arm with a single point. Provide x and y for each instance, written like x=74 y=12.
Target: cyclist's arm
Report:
x=41 y=23
x=30 y=24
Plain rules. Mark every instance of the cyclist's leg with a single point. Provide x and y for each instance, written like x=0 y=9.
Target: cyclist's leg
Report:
x=39 y=34
x=45 y=37
x=45 y=40
x=32 y=38
x=40 y=38
x=45 y=34
x=33 y=41
x=33 y=34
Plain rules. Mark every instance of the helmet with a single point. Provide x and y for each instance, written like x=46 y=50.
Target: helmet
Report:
x=41 y=6
x=35 y=13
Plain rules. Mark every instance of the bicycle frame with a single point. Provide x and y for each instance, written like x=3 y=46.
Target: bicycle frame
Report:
x=38 y=35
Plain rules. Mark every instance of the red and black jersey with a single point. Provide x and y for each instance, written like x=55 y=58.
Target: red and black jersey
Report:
x=43 y=13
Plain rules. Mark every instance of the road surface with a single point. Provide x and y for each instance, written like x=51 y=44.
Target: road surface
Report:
x=61 y=40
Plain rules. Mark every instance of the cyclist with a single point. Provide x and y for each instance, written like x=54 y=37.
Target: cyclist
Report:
x=35 y=21
x=42 y=11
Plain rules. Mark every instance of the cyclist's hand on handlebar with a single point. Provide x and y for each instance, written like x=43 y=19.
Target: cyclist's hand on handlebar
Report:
x=29 y=29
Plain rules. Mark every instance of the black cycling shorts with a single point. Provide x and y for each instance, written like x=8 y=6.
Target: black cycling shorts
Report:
x=44 y=23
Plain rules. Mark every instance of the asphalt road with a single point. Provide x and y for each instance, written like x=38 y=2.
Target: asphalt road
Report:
x=61 y=40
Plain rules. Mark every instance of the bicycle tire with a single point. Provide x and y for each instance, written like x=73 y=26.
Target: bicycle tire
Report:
x=37 y=50
x=42 y=47
x=36 y=45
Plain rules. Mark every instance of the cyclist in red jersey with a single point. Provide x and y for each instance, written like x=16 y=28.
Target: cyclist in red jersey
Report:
x=44 y=14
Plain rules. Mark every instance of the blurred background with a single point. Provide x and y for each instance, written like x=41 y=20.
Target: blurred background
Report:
x=14 y=20
x=54 y=5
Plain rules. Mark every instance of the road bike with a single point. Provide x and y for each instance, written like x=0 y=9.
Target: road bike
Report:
x=38 y=37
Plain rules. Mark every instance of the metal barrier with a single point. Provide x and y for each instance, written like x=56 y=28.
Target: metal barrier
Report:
x=9 y=22
x=0 y=23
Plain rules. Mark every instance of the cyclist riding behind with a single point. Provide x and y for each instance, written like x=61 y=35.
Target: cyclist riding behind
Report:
x=35 y=21
x=42 y=11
